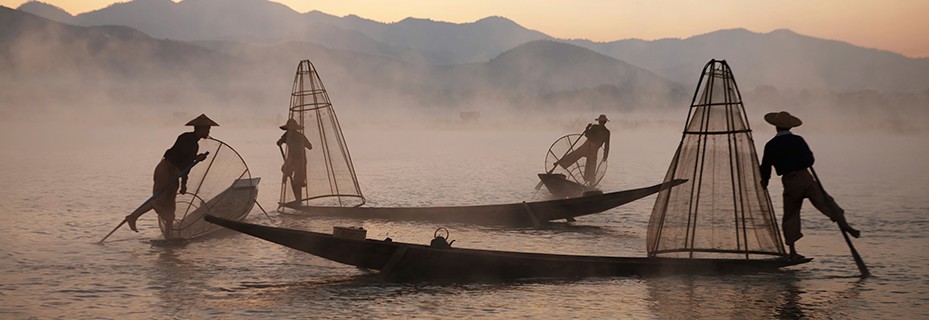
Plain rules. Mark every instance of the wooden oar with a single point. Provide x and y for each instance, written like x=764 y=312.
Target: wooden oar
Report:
x=539 y=186
x=186 y=170
x=858 y=261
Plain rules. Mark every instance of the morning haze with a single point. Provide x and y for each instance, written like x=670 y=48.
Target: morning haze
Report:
x=156 y=56
x=439 y=114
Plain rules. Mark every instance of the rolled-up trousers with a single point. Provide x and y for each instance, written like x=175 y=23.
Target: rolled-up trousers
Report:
x=799 y=185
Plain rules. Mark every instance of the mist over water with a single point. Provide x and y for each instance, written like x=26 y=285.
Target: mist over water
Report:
x=85 y=118
x=68 y=185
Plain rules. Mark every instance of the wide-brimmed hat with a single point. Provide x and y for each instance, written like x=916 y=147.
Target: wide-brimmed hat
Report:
x=782 y=119
x=291 y=124
x=202 y=121
x=602 y=117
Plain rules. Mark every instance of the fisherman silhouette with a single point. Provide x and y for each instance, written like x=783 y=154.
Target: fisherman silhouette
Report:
x=181 y=156
x=597 y=136
x=791 y=157
x=295 y=161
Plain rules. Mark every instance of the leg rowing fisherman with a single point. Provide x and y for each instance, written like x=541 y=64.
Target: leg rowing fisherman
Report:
x=791 y=157
x=173 y=166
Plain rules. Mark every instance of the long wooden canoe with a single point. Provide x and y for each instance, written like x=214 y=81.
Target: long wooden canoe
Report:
x=413 y=262
x=511 y=214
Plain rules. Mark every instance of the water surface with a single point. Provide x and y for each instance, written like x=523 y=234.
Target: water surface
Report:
x=65 y=189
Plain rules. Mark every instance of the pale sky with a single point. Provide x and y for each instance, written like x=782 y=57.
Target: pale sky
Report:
x=895 y=25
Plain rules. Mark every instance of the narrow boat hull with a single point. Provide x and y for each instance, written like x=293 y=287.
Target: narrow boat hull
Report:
x=413 y=262
x=512 y=214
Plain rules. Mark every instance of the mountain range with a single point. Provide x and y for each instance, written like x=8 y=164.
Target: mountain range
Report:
x=128 y=67
x=780 y=58
x=240 y=48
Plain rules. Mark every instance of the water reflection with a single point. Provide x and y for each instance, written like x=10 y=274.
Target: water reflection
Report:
x=726 y=296
x=789 y=294
x=791 y=308
x=171 y=278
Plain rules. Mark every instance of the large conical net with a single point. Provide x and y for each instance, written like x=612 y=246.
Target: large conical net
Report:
x=322 y=175
x=221 y=185
x=722 y=211
x=576 y=170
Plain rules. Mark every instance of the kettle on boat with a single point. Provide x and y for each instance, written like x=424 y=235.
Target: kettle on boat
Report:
x=439 y=241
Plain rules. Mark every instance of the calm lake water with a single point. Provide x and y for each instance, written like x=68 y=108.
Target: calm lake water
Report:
x=64 y=189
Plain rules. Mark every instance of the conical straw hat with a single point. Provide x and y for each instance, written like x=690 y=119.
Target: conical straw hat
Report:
x=291 y=124
x=782 y=119
x=202 y=120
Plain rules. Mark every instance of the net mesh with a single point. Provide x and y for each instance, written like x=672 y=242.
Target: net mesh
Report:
x=575 y=171
x=221 y=185
x=722 y=211
x=323 y=175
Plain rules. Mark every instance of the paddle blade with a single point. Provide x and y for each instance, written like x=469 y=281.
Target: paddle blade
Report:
x=858 y=261
x=111 y=232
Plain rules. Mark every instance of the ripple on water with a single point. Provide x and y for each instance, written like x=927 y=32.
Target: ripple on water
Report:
x=52 y=268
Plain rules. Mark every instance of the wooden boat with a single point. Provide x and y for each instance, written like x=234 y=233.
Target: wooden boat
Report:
x=412 y=262
x=738 y=222
x=559 y=186
x=511 y=214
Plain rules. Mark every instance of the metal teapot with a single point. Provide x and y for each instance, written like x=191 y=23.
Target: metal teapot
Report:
x=439 y=241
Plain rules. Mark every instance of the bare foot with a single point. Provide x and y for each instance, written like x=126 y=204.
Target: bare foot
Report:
x=131 y=221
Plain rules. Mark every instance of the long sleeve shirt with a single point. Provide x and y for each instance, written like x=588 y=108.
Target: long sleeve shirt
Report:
x=599 y=135
x=183 y=152
x=295 y=141
x=787 y=153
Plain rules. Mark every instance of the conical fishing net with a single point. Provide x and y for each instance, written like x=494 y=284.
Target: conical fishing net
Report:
x=722 y=211
x=221 y=185
x=317 y=169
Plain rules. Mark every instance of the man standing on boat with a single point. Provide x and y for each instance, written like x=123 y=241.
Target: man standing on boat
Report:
x=597 y=136
x=175 y=163
x=791 y=157
x=295 y=161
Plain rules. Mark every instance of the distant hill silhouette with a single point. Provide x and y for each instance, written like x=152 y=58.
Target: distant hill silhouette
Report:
x=554 y=73
x=30 y=44
x=47 y=11
x=453 y=43
x=780 y=58
x=129 y=67
x=50 y=63
x=262 y=21
x=373 y=66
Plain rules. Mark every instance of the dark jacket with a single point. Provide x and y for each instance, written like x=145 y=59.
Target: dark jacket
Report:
x=786 y=153
x=183 y=152
x=599 y=135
